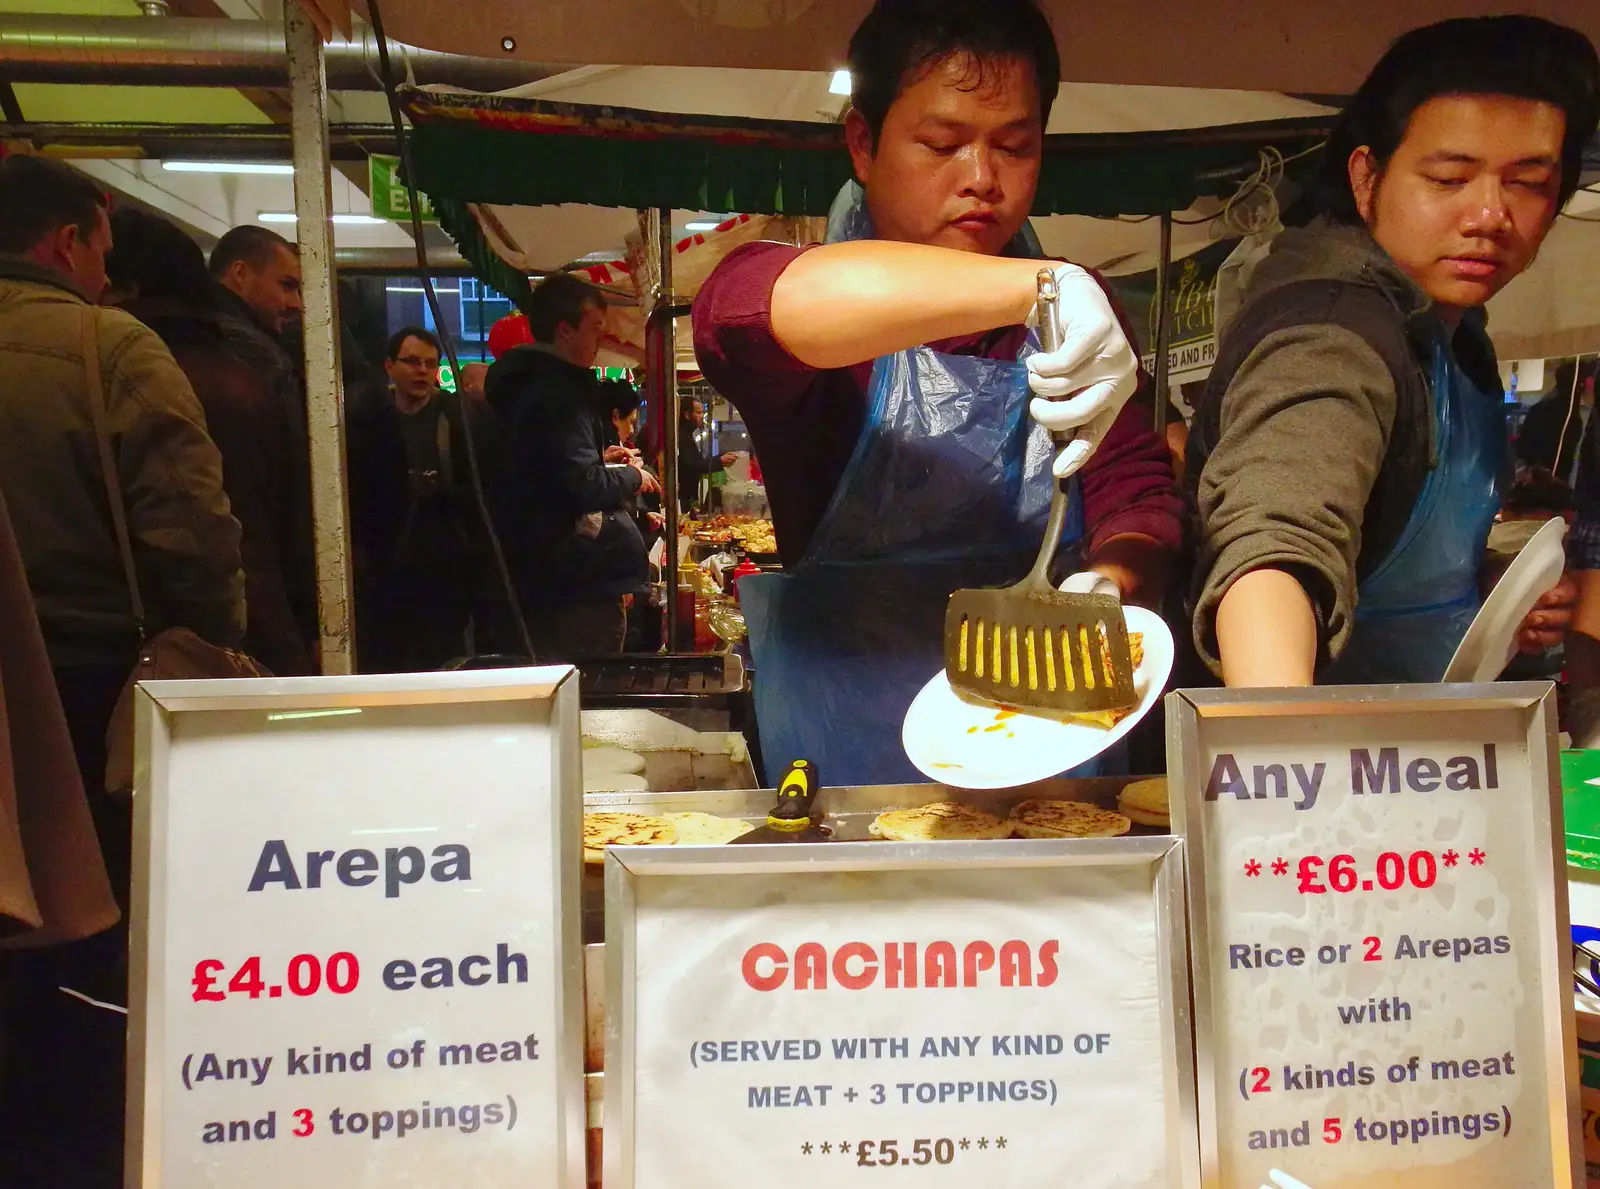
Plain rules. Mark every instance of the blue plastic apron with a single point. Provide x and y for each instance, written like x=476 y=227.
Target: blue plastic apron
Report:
x=1413 y=610
x=949 y=487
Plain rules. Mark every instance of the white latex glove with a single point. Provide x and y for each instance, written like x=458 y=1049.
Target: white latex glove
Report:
x=1091 y=582
x=1095 y=361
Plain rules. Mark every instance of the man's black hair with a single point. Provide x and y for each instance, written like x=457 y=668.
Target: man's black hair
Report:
x=560 y=299
x=254 y=245
x=1521 y=56
x=391 y=350
x=152 y=257
x=618 y=398
x=38 y=197
x=686 y=402
x=900 y=38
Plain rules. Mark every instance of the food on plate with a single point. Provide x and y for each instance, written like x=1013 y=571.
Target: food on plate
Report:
x=1066 y=819
x=754 y=536
x=706 y=829
x=1110 y=718
x=601 y=830
x=941 y=821
x=1145 y=801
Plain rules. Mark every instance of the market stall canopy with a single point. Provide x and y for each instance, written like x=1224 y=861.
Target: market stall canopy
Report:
x=1264 y=45
x=513 y=177
x=476 y=148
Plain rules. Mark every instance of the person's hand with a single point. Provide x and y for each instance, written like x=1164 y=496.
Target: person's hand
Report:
x=1546 y=624
x=1081 y=387
x=618 y=454
x=648 y=483
x=656 y=520
x=729 y=459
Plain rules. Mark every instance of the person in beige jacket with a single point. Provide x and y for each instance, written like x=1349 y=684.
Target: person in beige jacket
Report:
x=61 y=1077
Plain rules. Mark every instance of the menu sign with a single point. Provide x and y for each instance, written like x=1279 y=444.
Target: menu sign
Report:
x=966 y=1013
x=355 y=933
x=1379 y=982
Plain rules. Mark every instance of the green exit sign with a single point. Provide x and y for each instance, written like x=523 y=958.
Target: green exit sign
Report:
x=390 y=199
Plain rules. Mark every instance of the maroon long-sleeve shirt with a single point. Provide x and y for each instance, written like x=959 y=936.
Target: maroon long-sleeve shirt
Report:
x=805 y=421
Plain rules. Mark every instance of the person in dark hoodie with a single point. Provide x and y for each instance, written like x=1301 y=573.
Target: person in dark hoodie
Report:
x=424 y=568
x=572 y=546
x=158 y=274
x=1350 y=451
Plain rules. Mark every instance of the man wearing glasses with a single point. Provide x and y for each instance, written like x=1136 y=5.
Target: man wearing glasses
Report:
x=420 y=557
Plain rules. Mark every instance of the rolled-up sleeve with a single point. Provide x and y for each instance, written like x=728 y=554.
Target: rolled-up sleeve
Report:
x=733 y=339
x=1128 y=486
x=1305 y=425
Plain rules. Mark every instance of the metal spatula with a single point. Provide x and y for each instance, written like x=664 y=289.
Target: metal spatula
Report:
x=1030 y=645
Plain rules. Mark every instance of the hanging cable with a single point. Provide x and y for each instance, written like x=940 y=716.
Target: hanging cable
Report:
x=1572 y=406
x=425 y=274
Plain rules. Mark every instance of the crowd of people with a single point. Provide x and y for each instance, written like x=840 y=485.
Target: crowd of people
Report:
x=1344 y=466
x=205 y=421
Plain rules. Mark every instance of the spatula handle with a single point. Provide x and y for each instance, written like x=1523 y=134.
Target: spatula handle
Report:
x=1048 y=299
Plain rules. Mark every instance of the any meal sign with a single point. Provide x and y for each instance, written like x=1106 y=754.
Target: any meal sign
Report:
x=1380 y=987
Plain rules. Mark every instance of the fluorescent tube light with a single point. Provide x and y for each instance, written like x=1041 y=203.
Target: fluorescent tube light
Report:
x=228 y=167
x=290 y=217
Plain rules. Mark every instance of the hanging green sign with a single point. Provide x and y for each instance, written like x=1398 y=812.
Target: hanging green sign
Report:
x=390 y=199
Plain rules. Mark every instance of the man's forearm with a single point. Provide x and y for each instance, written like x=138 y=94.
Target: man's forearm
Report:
x=843 y=304
x=1267 y=631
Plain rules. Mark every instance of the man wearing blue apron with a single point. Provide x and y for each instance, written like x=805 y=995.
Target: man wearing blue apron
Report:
x=896 y=398
x=1351 y=447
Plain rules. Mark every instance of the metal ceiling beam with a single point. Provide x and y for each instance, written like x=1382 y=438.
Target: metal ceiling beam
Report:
x=198 y=52
x=225 y=142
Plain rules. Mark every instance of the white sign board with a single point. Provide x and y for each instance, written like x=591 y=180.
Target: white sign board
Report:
x=966 y=1013
x=356 y=958
x=1382 y=973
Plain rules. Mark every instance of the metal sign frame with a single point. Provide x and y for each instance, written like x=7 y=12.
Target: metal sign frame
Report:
x=552 y=696
x=1162 y=857
x=1191 y=715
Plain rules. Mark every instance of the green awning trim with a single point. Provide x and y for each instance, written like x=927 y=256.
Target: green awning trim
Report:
x=486 y=263
x=530 y=152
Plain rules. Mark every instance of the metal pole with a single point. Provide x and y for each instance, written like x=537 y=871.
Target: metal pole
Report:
x=313 y=204
x=663 y=319
x=1163 y=323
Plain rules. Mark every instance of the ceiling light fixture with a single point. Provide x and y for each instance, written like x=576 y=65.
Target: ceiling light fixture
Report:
x=228 y=167
x=291 y=217
x=840 y=84
x=702 y=225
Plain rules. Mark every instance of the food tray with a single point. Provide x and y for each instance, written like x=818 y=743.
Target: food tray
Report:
x=847 y=811
x=662 y=680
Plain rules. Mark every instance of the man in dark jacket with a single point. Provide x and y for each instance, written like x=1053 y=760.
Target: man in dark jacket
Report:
x=257 y=296
x=422 y=563
x=573 y=549
x=694 y=465
x=158 y=274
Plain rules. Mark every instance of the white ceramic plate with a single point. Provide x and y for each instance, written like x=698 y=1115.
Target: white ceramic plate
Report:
x=1491 y=639
x=972 y=746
